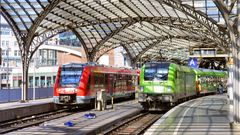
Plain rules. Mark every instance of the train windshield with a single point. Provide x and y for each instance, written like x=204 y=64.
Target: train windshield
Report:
x=156 y=71
x=70 y=76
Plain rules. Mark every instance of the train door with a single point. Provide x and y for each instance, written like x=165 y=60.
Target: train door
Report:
x=120 y=87
x=177 y=84
x=185 y=84
x=189 y=84
x=112 y=83
x=106 y=83
x=90 y=84
x=95 y=83
x=181 y=84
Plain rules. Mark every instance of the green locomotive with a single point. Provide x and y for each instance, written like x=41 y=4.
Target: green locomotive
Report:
x=162 y=84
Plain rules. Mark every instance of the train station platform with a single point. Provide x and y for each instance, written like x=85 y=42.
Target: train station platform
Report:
x=82 y=125
x=210 y=115
x=13 y=110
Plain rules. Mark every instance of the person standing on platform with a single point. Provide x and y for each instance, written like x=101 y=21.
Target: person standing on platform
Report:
x=220 y=88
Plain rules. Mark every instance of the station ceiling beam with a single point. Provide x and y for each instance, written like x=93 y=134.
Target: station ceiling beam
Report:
x=216 y=30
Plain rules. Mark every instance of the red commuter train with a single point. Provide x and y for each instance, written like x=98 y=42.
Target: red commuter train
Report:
x=78 y=83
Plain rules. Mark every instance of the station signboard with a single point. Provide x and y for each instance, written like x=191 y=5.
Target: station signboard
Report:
x=192 y=62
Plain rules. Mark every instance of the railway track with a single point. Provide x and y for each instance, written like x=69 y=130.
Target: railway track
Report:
x=13 y=125
x=34 y=120
x=133 y=126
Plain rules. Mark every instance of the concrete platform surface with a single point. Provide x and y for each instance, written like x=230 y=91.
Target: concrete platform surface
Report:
x=210 y=115
x=11 y=105
x=82 y=125
x=10 y=111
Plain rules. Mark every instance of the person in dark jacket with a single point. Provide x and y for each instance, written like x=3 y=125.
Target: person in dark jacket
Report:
x=220 y=88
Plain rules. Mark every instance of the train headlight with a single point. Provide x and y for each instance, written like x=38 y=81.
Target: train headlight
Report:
x=169 y=88
x=75 y=90
x=141 y=88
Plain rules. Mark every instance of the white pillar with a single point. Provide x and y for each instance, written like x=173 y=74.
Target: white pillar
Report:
x=236 y=81
x=34 y=75
x=45 y=81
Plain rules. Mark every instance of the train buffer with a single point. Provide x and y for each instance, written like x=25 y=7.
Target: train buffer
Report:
x=210 y=115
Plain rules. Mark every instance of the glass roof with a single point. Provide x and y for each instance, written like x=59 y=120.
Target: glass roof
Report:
x=142 y=27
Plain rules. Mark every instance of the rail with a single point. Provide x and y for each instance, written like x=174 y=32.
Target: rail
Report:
x=20 y=123
x=133 y=126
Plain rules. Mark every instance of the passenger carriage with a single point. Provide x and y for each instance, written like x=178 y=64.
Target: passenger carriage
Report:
x=78 y=83
x=162 y=84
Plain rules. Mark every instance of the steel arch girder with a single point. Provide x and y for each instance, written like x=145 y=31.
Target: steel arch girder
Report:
x=40 y=39
x=159 y=41
x=82 y=43
x=61 y=48
x=229 y=22
x=103 y=51
x=209 y=23
x=223 y=7
x=195 y=31
x=13 y=25
x=214 y=28
x=148 y=19
x=30 y=35
x=155 y=19
x=162 y=20
x=109 y=36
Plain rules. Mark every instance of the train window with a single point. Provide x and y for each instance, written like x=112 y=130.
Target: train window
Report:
x=106 y=78
x=155 y=71
x=69 y=81
x=119 y=77
x=124 y=82
x=161 y=74
x=70 y=76
x=149 y=73
x=101 y=80
x=96 y=80
x=129 y=80
x=106 y=84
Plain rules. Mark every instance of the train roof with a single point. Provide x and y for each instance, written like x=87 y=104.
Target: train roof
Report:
x=92 y=64
x=159 y=62
x=197 y=71
x=73 y=65
x=205 y=72
x=200 y=71
x=182 y=68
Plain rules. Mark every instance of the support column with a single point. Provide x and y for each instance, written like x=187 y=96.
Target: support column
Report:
x=24 y=79
x=45 y=79
x=230 y=79
x=236 y=81
x=235 y=85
